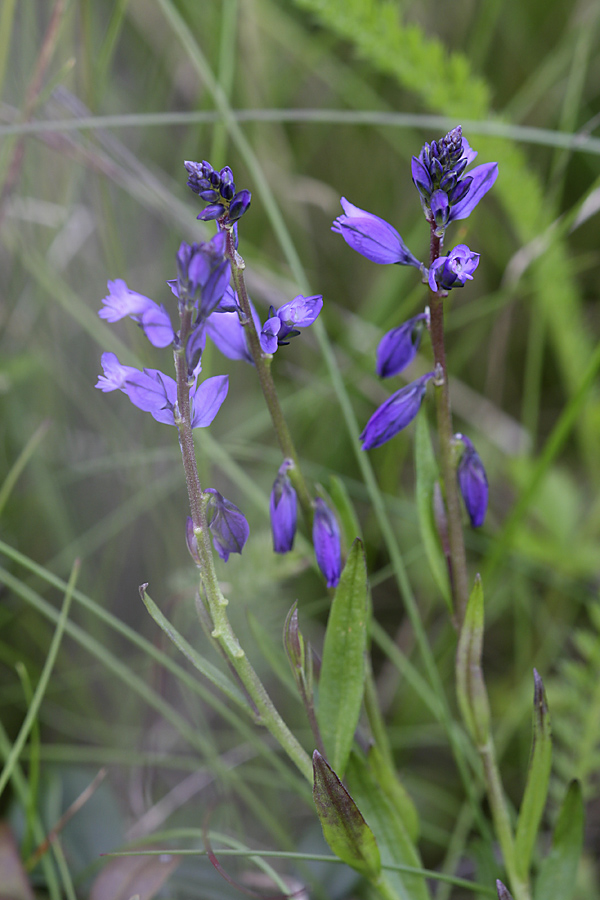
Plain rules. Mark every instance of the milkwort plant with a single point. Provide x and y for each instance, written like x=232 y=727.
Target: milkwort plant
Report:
x=368 y=819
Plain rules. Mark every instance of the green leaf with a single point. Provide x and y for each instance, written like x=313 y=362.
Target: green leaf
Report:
x=470 y=686
x=348 y=519
x=427 y=474
x=344 y=827
x=342 y=678
x=559 y=869
x=390 y=832
x=396 y=792
x=538 y=777
x=206 y=668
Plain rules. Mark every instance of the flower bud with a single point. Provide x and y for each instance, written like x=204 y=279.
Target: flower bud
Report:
x=283 y=509
x=472 y=482
x=327 y=543
x=227 y=524
x=395 y=414
x=398 y=347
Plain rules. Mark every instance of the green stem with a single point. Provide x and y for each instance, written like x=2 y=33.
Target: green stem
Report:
x=458 y=560
x=262 y=363
x=500 y=814
x=222 y=631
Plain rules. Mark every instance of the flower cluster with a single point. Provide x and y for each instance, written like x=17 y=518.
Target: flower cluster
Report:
x=218 y=190
x=208 y=307
x=447 y=194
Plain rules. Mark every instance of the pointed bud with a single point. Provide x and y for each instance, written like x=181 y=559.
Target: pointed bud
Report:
x=472 y=482
x=395 y=414
x=503 y=892
x=398 y=347
x=283 y=510
x=327 y=543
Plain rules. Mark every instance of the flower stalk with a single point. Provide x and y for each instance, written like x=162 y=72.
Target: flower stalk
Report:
x=263 y=368
x=458 y=560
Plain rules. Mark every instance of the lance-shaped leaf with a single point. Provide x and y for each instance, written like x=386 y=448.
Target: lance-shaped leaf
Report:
x=470 y=686
x=344 y=827
x=558 y=870
x=342 y=678
x=503 y=892
x=427 y=475
x=538 y=777
x=298 y=653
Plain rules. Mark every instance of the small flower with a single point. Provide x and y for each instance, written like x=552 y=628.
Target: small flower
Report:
x=472 y=482
x=227 y=524
x=438 y=176
x=283 y=510
x=372 y=237
x=227 y=332
x=156 y=393
x=218 y=190
x=327 y=543
x=152 y=318
x=454 y=270
x=395 y=414
x=398 y=347
x=285 y=322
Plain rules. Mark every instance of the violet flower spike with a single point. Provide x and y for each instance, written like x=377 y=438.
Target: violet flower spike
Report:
x=396 y=413
x=437 y=173
x=283 y=509
x=227 y=524
x=472 y=482
x=454 y=270
x=372 y=237
x=218 y=190
x=398 y=347
x=327 y=543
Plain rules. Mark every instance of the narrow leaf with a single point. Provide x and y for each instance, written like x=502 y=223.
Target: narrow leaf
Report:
x=342 y=678
x=559 y=869
x=204 y=667
x=397 y=794
x=538 y=778
x=344 y=827
x=470 y=686
x=427 y=475
x=392 y=837
x=503 y=892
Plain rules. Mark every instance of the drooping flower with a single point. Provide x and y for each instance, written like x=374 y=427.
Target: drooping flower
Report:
x=218 y=190
x=227 y=524
x=372 y=237
x=395 y=414
x=398 y=347
x=472 y=482
x=152 y=318
x=447 y=194
x=283 y=508
x=156 y=393
x=454 y=270
x=327 y=543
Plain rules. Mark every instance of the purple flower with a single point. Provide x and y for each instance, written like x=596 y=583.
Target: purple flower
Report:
x=218 y=190
x=472 y=482
x=227 y=332
x=283 y=510
x=398 y=347
x=153 y=319
x=438 y=176
x=454 y=270
x=372 y=237
x=327 y=543
x=202 y=274
x=156 y=393
x=285 y=322
x=395 y=414
x=227 y=524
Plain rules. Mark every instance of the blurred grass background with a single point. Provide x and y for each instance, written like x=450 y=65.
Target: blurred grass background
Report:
x=86 y=197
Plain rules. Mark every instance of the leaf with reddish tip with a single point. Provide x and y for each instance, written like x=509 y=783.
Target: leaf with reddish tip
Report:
x=344 y=827
x=503 y=892
x=538 y=779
